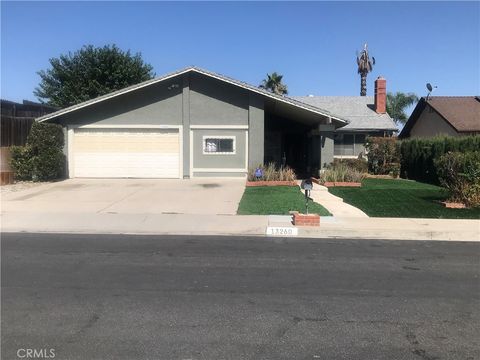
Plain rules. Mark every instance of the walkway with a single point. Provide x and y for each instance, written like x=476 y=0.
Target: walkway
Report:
x=334 y=204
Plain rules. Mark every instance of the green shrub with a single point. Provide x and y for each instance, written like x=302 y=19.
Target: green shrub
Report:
x=418 y=155
x=272 y=173
x=45 y=136
x=341 y=172
x=360 y=165
x=42 y=157
x=48 y=165
x=383 y=155
x=459 y=173
x=21 y=162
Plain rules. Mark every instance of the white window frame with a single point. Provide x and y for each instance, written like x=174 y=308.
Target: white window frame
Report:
x=220 y=137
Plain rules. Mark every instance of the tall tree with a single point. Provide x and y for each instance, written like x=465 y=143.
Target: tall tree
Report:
x=397 y=104
x=364 y=66
x=89 y=73
x=273 y=83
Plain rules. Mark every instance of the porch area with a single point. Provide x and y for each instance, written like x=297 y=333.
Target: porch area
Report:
x=300 y=140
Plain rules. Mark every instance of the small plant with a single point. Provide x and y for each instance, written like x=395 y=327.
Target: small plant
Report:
x=271 y=173
x=459 y=173
x=341 y=172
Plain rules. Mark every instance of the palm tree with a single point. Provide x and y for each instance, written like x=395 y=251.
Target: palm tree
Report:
x=396 y=105
x=365 y=65
x=273 y=83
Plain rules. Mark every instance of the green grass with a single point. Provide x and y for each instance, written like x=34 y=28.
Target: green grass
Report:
x=401 y=198
x=276 y=200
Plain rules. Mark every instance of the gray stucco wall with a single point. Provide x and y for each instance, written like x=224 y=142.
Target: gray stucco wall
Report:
x=256 y=134
x=430 y=124
x=186 y=125
x=213 y=102
x=326 y=144
x=153 y=105
x=215 y=161
x=219 y=174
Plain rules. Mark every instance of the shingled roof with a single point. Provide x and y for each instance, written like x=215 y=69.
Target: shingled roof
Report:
x=358 y=110
x=461 y=112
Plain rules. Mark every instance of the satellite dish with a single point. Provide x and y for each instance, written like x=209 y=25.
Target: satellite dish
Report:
x=430 y=89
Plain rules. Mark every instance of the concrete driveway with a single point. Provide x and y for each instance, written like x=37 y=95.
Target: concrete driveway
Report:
x=129 y=196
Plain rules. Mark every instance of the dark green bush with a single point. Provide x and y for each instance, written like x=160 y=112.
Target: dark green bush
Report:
x=48 y=165
x=359 y=165
x=459 y=173
x=21 y=162
x=383 y=155
x=45 y=136
x=418 y=155
x=42 y=157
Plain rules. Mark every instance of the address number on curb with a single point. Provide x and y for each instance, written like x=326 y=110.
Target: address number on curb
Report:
x=282 y=231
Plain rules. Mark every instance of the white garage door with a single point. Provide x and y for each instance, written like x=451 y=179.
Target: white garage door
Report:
x=139 y=153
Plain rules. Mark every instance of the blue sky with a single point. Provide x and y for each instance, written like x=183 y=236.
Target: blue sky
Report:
x=312 y=44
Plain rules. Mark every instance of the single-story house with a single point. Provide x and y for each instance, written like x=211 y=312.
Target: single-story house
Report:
x=444 y=115
x=196 y=123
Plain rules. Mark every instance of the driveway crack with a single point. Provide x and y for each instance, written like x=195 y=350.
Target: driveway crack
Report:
x=118 y=201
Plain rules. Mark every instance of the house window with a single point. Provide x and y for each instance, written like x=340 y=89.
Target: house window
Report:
x=221 y=145
x=348 y=144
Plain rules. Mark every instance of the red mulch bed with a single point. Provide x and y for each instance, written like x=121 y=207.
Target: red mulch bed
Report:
x=272 y=183
x=343 y=184
x=453 y=205
x=338 y=183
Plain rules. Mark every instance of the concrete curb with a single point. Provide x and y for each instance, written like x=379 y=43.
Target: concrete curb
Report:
x=227 y=225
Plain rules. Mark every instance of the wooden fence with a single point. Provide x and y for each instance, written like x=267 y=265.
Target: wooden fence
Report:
x=14 y=130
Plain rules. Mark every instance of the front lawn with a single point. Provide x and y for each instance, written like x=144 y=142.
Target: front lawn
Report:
x=401 y=198
x=276 y=200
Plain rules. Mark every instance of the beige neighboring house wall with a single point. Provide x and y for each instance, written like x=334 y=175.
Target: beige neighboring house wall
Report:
x=430 y=123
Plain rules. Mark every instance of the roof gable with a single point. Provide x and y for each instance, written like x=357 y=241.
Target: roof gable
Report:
x=251 y=88
x=460 y=112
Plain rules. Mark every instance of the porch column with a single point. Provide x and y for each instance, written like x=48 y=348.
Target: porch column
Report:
x=326 y=144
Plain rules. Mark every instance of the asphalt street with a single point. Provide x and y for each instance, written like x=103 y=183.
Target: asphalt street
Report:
x=193 y=297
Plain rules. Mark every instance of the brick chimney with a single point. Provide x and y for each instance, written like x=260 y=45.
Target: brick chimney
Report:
x=381 y=95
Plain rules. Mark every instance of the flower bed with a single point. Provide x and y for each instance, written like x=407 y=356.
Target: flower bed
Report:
x=271 y=183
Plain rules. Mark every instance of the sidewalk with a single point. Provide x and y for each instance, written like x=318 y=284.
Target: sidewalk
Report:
x=189 y=224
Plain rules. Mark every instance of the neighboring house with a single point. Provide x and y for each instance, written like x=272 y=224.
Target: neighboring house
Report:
x=367 y=116
x=196 y=123
x=444 y=115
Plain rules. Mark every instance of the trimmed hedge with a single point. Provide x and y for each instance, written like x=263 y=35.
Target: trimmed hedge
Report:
x=418 y=155
x=42 y=157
